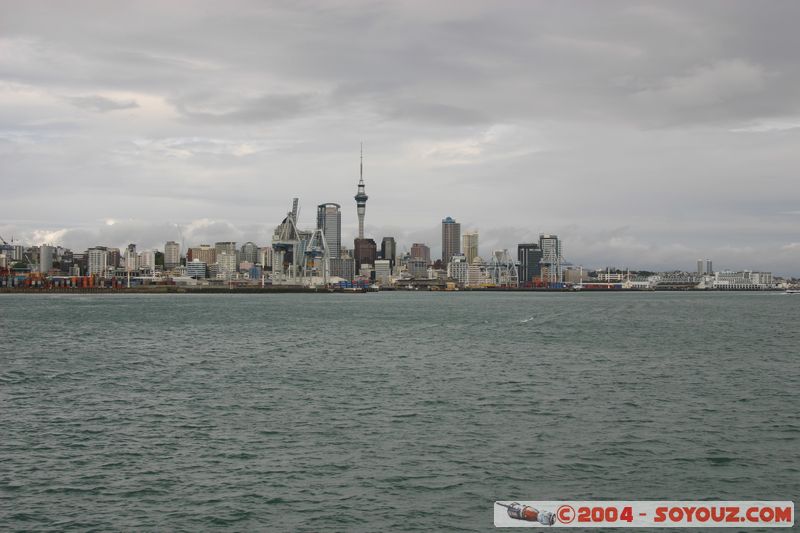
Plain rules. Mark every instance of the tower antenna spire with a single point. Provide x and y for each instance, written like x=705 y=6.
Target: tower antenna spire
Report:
x=361 y=167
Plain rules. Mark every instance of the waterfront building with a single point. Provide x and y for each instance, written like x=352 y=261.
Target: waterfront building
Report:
x=529 y=256
x=383 y=271
x=147 y=260
x=172 y=255
x=204 y=253
x=389 y=250
x=114 y=257
x=469 y=245
x=361 y=198
x=97 y=258
x=421 y=251
x=451 y=239
x=417 y=268
x=249 y=253
x=476 y=272
x=551 y=258
x=342 y=267
x=131 y=258
x=196 y=269
x=365 y=252
x=329 y=221
x=45 y=258
x=226 y=264
x=229 y=247
x=3 y=260
x=458 y=269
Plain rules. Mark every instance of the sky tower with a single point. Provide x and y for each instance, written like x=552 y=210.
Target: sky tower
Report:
x=361 y=198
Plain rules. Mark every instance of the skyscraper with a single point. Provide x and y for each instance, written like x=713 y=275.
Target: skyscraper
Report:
x=365 y=252
x=172 y=255
x=329 y=220
x=529 y=256
x=451 y=239
x=421 y=251
x=551 y=258
x=98 y=261
x=361 y=198
x=131 y=258
x=470 y=245
x=389 y=250
x=45 y=258
x=229 y=247
x=249 y=253
x=700 y=270
x=709 y=267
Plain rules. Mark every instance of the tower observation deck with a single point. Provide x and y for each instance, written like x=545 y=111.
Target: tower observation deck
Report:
x=361 y=197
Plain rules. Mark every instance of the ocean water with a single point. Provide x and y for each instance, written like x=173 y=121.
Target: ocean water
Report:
x=387 y=411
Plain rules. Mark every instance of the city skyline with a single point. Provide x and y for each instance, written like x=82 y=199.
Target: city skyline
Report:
x=585 y=121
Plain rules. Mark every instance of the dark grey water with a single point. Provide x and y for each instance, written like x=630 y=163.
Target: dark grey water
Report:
x=387 y=411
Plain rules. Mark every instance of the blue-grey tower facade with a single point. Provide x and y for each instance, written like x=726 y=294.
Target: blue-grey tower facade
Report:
x=361 y=198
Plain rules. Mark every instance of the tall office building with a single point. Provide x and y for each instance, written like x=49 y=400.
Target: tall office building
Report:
x=204 y=253
x=389 y=250
x=709 y=267
x=249 y=253
x=131 y=258
x=551 y=258
x=329 y=220
x=421 y=251
x=172 y=255
x=227 y=264
x=365 y=252
x=383 y=271
x=98 y=261
x=451 y=239
x=469 y=245
x=229 y=247
x=361 y=198
x=529 y=256
x=700 y=270
x=147 y=260
x=45 y=258
x=114 y=257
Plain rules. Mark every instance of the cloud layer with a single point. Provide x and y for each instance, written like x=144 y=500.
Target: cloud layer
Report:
x=647 y=134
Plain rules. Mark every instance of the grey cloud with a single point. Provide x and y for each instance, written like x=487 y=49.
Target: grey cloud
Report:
x=642 y=131
x=101 y=103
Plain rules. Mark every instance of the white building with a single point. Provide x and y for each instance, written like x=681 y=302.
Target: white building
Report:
x=383 y=271
x=147 y=260
x=226 y=264
x=97 y=261
x=458 y=269
x=45 y=258
x=172 y=255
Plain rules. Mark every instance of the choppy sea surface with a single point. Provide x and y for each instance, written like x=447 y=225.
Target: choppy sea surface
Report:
x=387 y=411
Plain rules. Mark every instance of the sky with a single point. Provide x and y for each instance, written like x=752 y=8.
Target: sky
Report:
x=645 y=134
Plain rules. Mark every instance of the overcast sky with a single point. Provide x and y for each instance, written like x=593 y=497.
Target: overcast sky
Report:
x=645 y=134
